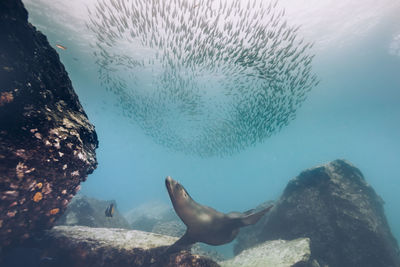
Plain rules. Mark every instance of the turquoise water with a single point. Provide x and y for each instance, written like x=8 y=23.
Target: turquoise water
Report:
x=352 y=114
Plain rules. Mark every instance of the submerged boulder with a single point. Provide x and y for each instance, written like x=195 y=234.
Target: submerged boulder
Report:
x=85 y=246
x=47 y=144
x=156 y=217
x=87 y=211
x=276 y=253
x=338 y=210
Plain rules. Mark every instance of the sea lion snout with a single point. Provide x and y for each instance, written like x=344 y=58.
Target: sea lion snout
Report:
x=170 y=183
x=168 y=180
x=172 y=187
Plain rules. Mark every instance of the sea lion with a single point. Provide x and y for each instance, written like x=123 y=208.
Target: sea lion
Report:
x=205 y=224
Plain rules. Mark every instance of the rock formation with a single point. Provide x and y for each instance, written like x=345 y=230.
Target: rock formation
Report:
x=277 y=253
x=85 y=246
x=47 y=144
x=335 y=207
x=157 y=218
x=87 y=211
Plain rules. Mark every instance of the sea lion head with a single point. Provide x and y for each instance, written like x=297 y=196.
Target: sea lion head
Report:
x=180 y=198
x=176 y=191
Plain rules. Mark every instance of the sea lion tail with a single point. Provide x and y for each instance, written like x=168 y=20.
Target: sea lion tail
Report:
x=252 y=217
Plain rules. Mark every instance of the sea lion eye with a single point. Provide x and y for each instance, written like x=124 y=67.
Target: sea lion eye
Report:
x=184 y=193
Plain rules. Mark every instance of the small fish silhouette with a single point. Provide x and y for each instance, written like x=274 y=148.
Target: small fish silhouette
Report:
x=110 y=210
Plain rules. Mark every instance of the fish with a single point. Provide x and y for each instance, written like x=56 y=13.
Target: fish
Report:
x=61 y=47
x=109 y=212
x=252 y=71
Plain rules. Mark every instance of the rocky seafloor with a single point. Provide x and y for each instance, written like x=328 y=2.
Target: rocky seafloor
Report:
x=89 y=246
x=326 y=216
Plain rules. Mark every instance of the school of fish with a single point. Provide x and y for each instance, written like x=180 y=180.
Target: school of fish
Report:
x=205 y=77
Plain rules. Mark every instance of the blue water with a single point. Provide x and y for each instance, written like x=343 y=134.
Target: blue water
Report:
x=352 y=114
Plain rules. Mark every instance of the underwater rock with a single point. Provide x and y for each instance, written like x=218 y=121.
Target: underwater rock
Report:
x=85 y=246
x=157 y=218
x=47 y=144
x=88 y=211
x=276 y=253
x=338 y=210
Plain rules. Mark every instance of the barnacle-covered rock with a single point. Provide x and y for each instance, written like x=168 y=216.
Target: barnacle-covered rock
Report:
x=47 y=144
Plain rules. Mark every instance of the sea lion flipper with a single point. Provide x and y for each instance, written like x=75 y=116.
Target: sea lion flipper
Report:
x=251 y=217
x=182 y=243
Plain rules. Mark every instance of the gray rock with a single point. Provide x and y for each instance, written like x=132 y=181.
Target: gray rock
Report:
x=47 y=144
x=156 y=217
x=85 y=246
x=338 y=210
x=109 y=237
x=276 y=253
x=88 y=211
